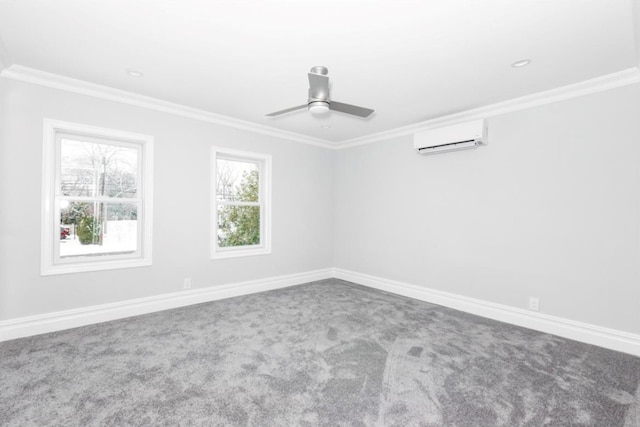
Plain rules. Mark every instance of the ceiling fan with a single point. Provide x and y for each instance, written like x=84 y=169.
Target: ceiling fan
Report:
x=319 y=101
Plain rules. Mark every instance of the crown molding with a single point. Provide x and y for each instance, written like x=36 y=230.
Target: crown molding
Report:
x=56 y=81
x=599 y=84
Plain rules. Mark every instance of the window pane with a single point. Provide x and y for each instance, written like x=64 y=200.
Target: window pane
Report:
x=90 y=169
x=238 y=226
x=237 y=181
x=97 y=228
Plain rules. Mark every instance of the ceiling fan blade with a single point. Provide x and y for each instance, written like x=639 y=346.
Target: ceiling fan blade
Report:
x=350 y=109
x=318 y=86
x=288 y=110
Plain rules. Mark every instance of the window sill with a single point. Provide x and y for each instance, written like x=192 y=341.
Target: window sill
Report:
x=235 y=253
x=48 y=270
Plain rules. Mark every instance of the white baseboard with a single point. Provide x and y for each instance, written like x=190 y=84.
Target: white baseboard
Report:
x=604 y=337
x=588 y=333
x=50 y=322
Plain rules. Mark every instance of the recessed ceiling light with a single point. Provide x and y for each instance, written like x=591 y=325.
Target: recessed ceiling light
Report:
x=134 y=73
x=325 y=126
x=521 y=63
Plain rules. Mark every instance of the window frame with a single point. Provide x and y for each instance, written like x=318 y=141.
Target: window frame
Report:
x=51 y=263
x=264 y=202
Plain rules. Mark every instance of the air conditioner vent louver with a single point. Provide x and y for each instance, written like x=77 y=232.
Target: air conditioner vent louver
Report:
x=461 y=136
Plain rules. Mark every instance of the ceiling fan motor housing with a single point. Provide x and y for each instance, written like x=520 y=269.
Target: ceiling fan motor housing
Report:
x=320 y=69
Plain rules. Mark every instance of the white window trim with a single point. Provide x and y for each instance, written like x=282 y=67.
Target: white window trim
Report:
x=50 y=264
x=265 y=200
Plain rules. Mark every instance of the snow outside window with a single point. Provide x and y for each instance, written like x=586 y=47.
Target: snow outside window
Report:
x=97 y=199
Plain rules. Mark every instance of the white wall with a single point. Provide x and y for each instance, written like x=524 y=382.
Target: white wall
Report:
x=551 y=209
x=4 y=57
x=302 y=197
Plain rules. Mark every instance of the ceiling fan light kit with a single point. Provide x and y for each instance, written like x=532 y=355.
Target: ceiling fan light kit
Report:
x=319 y=102
x=318 y=108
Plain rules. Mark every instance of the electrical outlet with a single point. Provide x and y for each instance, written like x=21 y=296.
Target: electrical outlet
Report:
x=534 y=303
x=187 y=282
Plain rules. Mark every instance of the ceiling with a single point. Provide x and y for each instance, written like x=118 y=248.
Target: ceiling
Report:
x=410 y=61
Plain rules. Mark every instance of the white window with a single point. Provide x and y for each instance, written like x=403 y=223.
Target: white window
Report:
x=97 y=198
x=240 y=204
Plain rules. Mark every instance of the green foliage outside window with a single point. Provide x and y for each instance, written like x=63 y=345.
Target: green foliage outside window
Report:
x=88 y=230
x=240 y=225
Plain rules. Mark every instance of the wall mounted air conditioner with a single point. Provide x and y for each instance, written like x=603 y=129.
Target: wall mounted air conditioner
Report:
x=461 y=136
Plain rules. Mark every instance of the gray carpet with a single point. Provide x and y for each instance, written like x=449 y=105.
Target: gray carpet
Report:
x=327 y=353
